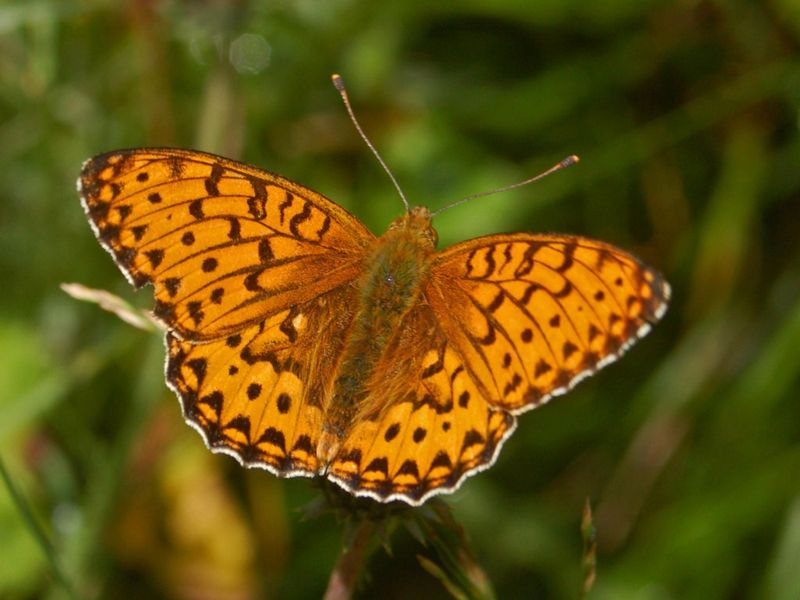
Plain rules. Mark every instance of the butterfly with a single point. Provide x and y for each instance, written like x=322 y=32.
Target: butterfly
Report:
x=299 y=342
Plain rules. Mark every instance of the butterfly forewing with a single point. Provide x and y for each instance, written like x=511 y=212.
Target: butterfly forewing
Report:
x=533 y=314
x=224 y=244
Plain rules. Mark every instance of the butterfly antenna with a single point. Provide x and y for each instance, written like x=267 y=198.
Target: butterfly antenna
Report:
x=567 y=162
x=338 y=82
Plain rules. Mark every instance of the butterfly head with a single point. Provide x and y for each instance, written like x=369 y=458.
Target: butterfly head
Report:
x=417 y=221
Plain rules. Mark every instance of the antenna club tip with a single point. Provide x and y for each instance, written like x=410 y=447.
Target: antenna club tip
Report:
x=570 y=160
x=338 y=82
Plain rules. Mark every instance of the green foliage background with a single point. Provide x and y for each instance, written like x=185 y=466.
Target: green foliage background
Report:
x=685 y=115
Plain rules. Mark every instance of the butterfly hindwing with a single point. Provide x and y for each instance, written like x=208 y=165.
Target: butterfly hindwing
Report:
x=425 y=425
x=257 y=395
x=224 y=244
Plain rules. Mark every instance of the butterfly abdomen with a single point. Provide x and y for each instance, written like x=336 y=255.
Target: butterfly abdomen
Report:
x=393 y=279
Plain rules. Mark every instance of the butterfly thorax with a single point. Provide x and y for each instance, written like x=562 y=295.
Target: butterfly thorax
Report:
x=394 y=274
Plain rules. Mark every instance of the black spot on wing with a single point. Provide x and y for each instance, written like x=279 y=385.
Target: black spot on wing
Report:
x=214 y=401
x=284 y=205
x=164 y=311
x=235 y=229
x=198 y=367
x=196 y=209
x=409 y=467
x=172 y=284
x=273 y=437
x=491 y=265
x=287 y=325
x=512 y=385
x=265 y=253
x=565 y=290
x=257 y=205
x=251 y=282
x=391 y=432
x=300 y=218
x=138 y=232
x=506 y=257
x=195 y=311
x=569 y=252
x=379 y=465
x=496 y=302
x=352 y=455
x=525 y=265
x=155 y=257
x=284 y=403
x=442 y=459
x=211 y=182
x=176 y=167
x=472 y=438
x=326 y=224
x=240 y=423
x=435 y=367
x=529 y=292
x=541 y=368
x=303 y=443
x=125 y=256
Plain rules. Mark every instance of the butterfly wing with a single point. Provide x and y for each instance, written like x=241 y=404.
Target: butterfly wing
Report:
x=258 y=395
x=224 y=244
x=425 y=424
x=252 y=277
x=531 y=315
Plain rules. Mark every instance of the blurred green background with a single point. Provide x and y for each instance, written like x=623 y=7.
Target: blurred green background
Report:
x=685 y=115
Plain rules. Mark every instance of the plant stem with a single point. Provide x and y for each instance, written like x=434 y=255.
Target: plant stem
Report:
x=351 y=560
x=36 y=530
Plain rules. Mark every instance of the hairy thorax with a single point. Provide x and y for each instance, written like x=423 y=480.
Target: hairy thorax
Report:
x=391 y=285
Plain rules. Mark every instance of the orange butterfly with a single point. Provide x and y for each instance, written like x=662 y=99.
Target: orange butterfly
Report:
x=300 y=343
